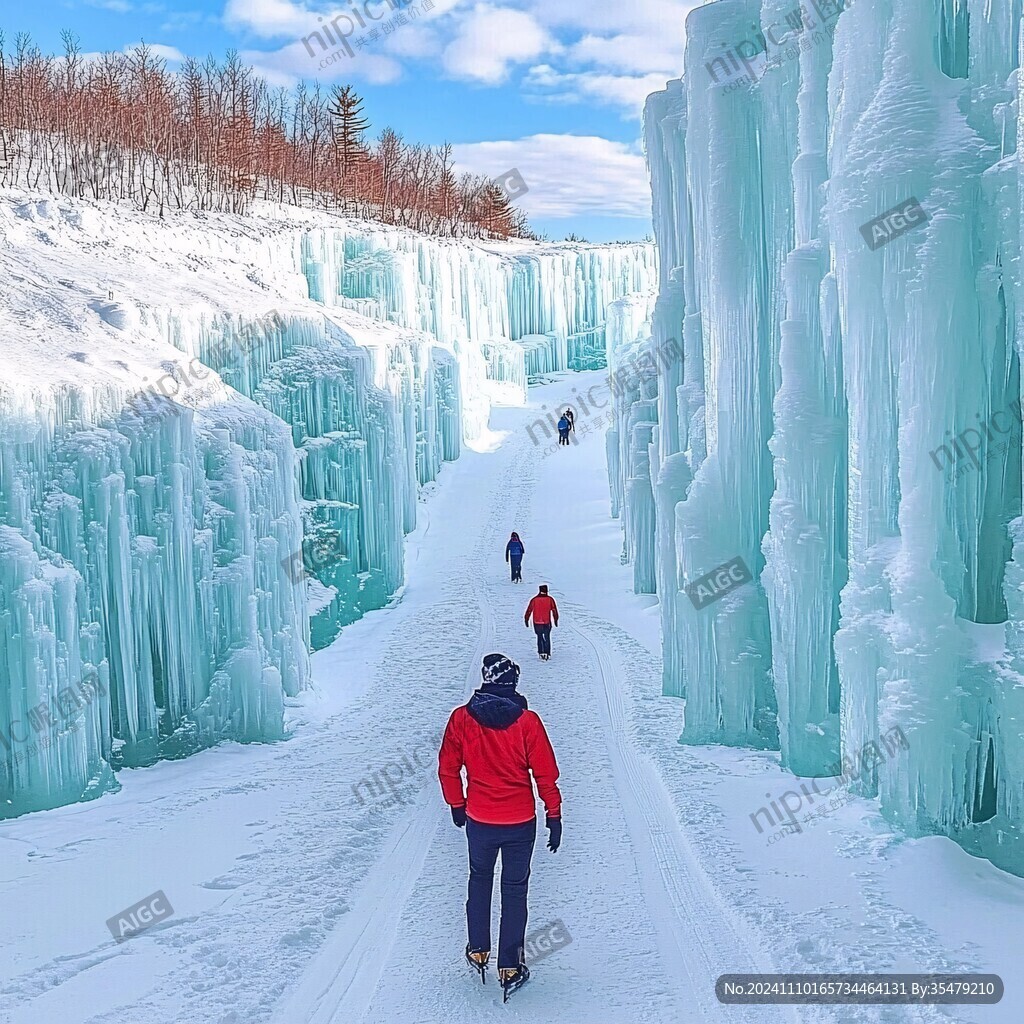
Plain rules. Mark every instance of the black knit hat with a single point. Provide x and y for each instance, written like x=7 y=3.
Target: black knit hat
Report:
x=499 y=670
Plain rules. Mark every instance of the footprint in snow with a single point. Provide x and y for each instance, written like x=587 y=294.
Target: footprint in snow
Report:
x=224 y=882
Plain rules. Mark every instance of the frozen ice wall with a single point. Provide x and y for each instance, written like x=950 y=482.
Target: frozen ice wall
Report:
x=550 y=300
x=212 y=439
x=497 y=314
x=374 y=411
x=634 y=391
x=144 y=608
x=158 y=543
x=846 y=416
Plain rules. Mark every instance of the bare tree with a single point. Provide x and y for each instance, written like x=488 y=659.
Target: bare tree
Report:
x=213 y=136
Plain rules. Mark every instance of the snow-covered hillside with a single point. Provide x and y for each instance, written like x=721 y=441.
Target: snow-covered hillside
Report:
x=846 y=417
x=213 y=430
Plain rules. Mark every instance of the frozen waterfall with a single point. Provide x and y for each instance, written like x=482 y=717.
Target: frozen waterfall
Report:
x=846 y=416
x=213 y=433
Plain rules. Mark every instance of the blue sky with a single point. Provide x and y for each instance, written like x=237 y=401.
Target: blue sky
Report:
x=553 y=88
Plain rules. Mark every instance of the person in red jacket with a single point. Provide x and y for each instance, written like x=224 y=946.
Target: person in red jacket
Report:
x=544 y=612
x=499 y=742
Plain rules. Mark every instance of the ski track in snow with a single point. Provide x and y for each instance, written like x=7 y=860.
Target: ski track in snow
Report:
x=335 y=914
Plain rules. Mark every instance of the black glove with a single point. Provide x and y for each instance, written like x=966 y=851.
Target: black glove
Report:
x=554 y=833
x=459 y=816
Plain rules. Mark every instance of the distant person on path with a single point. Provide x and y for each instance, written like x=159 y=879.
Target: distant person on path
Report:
x=563 y=430
x=571 y=417
x=544 y=612
x=514 y=552
x=499 y=742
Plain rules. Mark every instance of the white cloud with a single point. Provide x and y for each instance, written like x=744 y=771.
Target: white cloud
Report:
x=415 y=41
x=186 y=21
x=277 y=19
x=292 y=62
x=626 y=91
x=644 y=17
x=636 y=52
x=602 y=52
x=171 y=54
x=567 y=175
x=489 y=40
x=118 y=6
x=270 y=19
x=444 y=6
x=168 y=53
x=625 y=50
x=323 y=39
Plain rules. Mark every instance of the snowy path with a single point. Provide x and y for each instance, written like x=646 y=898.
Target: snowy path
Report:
x=294 y=904
x=648 y=931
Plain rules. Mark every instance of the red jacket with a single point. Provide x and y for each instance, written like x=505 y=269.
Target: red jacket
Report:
x=543 y=609
x=499 y=742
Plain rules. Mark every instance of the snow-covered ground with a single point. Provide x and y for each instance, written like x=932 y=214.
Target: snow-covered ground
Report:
x=298 y=897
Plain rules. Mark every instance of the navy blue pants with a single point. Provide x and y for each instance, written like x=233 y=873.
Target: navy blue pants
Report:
x=543 y=638
x=563 y=437
x=517 y=568
x=515 y=842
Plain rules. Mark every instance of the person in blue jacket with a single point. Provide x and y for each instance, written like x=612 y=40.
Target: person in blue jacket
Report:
x=563 y=430
x=514 y=552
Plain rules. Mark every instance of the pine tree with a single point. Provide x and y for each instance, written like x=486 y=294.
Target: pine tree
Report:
x=349 y=124
x=390 y=153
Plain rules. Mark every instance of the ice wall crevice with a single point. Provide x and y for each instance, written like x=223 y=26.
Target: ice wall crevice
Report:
x=840 y=415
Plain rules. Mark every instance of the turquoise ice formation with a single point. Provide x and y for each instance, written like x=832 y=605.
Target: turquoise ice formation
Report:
x=843 y=418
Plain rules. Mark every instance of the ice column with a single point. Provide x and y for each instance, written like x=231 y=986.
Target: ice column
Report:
x=145 y=612
x=850 y=410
